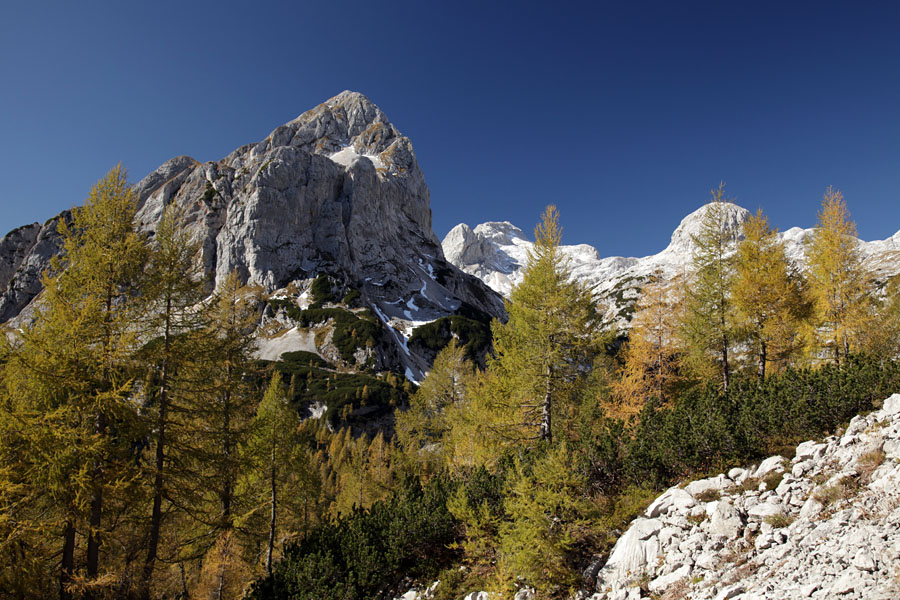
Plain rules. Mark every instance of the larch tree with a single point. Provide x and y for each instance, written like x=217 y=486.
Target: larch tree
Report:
x=215 y=426
x=838 y=283
x=768 y=296
x=707 y=326
x=422 y=429
x=881 y=337
x=546 y=346
x=73 y=370
x=652 y=353
x=280 y=461
x=174 y=291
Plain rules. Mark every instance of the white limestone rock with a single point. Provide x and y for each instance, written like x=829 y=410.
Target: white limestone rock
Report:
x=725 y=521
x=847 y=547
x=674 y=498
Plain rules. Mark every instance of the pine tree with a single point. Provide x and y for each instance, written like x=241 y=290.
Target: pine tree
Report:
x=707 y=326
x=768 y=296
x=651 y=356
x=546 y=346
x=837 y=280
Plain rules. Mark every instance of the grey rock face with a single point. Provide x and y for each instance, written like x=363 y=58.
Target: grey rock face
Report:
x=337 y=190
x=14 y=246
x=24 y=282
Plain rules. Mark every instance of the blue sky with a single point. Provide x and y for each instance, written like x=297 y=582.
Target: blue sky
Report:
x=624 y=114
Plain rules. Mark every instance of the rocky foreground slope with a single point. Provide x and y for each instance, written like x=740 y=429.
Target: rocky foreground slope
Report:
x=824 y=523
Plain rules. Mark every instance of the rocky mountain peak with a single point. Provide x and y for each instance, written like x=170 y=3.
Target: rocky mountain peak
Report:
x=496 y=252
x=501 y=232
x=682 y=238
x=337 y=191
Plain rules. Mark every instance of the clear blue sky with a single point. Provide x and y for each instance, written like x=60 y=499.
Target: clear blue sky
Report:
x=624 y=114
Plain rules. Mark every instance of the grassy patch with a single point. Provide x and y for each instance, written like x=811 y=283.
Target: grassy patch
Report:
x=843 y=489
x=709 y=495
x=868 y=463
x=779 y=521
x=773 y=479
x=696 y=519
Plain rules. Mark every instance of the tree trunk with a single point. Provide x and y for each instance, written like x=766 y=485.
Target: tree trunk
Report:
x=67 y=568
x=93 y=545
x=161 y=420
x=272 y=517
x=762 y=360
x=223 y=561
x=546 y=432
x=227 y=486
x=726 y=375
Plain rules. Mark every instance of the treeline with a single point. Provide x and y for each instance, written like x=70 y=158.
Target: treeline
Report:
x=144 y=452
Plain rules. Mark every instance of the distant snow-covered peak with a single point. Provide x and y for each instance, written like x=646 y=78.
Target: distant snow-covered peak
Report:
x=497 y=251
x=682 y=241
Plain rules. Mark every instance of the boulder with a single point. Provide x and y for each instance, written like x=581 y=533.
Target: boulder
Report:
x=662 y=583
x=725 y=521
x=771 y=464
x=675 y=497
x=765 y=510
x=891 y=406
x=718 y=483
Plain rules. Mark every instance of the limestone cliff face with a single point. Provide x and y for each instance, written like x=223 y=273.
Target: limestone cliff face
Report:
x=337 y=190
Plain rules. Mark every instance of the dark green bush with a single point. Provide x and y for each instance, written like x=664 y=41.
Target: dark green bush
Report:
x=321 y=290
x=473 y=335
x=368 y=553
x=301 y=358
x=704 y=430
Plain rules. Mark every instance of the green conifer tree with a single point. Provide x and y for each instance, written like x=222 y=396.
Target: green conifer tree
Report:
x=707 y=326
x=546 y=511
x=545 y=348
